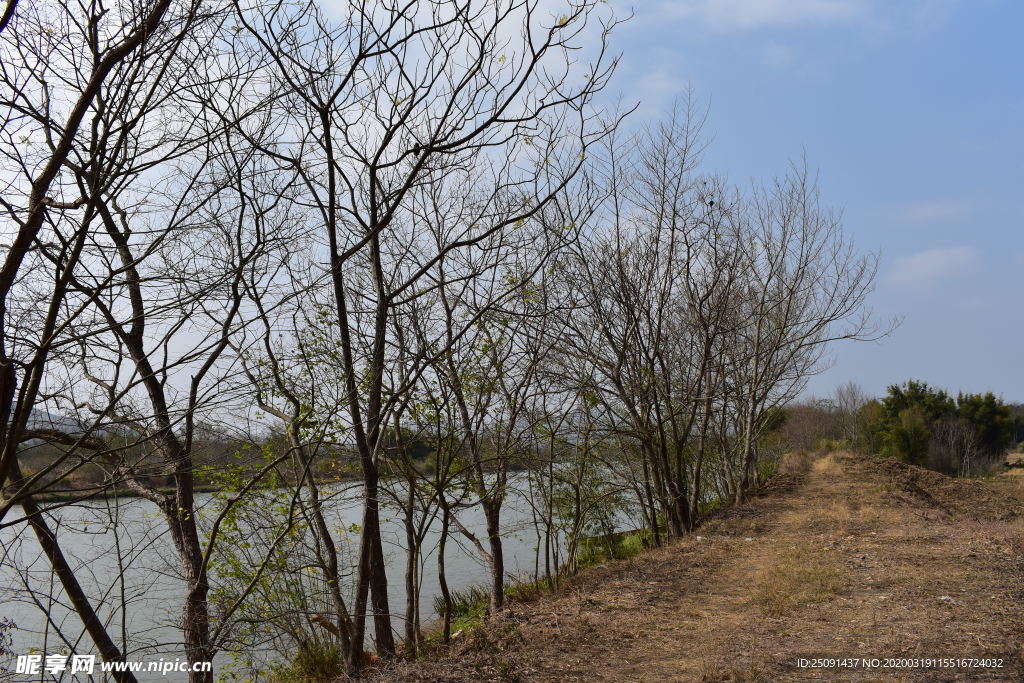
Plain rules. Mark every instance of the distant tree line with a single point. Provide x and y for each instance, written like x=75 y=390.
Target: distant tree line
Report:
x=914 y=422
x=926 y=426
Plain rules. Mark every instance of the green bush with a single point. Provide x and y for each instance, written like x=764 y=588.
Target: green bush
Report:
x=469 y=606
x=620 y=546
x=990 y=418
x=316 y=660
x=925 y=426
x=907 y=437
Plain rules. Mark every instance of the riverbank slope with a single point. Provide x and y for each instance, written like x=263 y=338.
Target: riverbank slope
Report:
x=849 y=558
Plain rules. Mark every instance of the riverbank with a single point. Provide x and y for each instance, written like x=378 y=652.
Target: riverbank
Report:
x=855 y=558
x=70 y=495
x=350 y=475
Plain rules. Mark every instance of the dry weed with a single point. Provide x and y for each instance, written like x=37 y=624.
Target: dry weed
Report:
x=723 y=672
x=797 y=578
x=795 y=462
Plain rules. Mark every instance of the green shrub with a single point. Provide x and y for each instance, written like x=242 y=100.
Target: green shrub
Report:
x=598 y=549
x=316 y=660
x=907 y=437
x=469 y=606
x=925 y=426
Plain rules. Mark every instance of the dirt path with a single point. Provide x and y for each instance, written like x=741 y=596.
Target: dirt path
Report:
x=861 y=559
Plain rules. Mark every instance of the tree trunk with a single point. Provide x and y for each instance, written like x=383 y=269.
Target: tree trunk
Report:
x=411 y=564
x=748 y=452
x=378 y=581
x=195 y=615
x=442 y=580
x=648 y=490
x=702 y=441
x=51 y=548
x=326 y=550
x=492 y=512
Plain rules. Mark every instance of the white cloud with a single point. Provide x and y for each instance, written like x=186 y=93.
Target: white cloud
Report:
x=934 y=211
x=656 y=90
x=929 y=267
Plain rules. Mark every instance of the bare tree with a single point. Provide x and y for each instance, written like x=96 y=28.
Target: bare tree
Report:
x=658 y=283
x=80 y=85
x=849 y=399
x=803 y=287
x=401 y=96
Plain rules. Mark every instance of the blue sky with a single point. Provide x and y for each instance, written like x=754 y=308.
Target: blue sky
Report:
x=913 y=112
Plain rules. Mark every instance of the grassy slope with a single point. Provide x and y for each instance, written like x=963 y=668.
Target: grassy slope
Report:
x=853 y=559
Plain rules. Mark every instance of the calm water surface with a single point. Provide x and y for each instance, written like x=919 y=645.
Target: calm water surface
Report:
x=135 y=566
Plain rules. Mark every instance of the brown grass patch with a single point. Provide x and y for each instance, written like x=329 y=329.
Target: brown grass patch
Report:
x=827 y=464
x=1001 y=499
x=798 y=577
x=796 y=462
x=724 y=672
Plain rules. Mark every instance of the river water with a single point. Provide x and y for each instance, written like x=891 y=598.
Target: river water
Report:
x=132 y=563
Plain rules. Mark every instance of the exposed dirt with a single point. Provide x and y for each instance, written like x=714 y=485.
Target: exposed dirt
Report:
x=857 y=558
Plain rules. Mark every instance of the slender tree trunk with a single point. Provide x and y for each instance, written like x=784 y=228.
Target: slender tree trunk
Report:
x=411 y=565
x=747 y=460
x=326 y=550
x=377 y=576
x=648 y=490
x=442 y=579
x=371 y=580
x=492 y=512
x=51 y=548
x=195 y=615
x=702 y=441
x=354 y=657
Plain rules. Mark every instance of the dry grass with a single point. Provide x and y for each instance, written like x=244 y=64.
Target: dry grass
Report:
x=723 y=672
x=844 y=515
x=798 y=577
x=796 y=462
x=827 y=464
